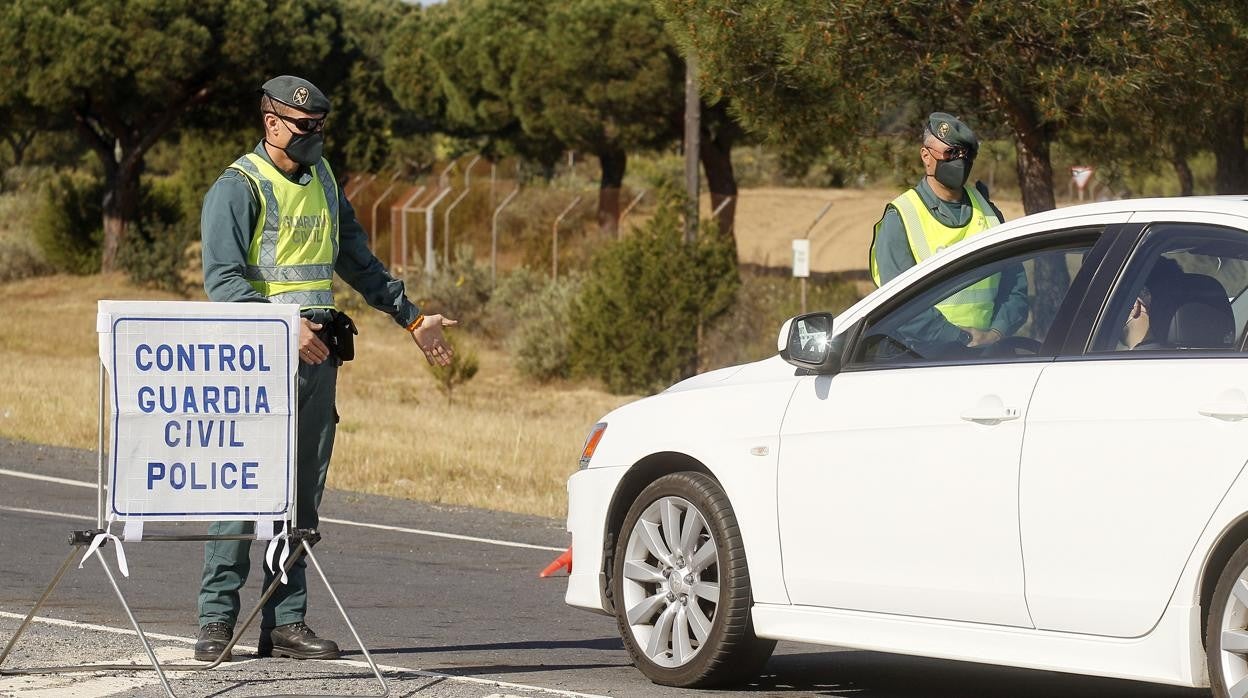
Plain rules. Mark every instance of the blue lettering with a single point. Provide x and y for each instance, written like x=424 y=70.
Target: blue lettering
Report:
x=227 y=352
x=170 y=427
x=173 y=400
x=263 y=366
x=247 y=357
x=234 y=440
x=231 y=406
x=212 y=394
x=177 y=476
x=230 y=484
x=195 y=484
x=138 y=357
x=249 y=475
x=188 y=400
x=147 y=399
x=164 y=357
x=155 y=471
x=186 y=358
x=205 y=433
x=262 y=400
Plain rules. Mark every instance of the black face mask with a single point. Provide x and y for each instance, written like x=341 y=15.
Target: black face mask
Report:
x=954 y=173
x=303 y=148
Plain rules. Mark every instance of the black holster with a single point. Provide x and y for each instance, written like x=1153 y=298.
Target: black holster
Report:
x=341 y=336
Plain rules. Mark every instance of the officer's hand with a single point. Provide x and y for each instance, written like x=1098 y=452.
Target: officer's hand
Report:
x=432 y=342
x=311 y=349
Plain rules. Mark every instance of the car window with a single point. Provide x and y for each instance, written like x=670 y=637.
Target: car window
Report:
x=1182 y=290
x=999 y=310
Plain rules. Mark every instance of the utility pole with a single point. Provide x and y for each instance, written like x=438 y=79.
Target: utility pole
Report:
x=693 y=126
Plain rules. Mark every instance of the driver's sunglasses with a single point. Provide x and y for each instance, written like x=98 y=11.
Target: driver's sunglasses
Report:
x=305 y=124
x=954 y=152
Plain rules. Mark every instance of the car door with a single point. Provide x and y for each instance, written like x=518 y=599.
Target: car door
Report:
x=1131 y=445
x=898 y=476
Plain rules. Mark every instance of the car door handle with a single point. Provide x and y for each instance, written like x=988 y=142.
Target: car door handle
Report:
x=1230 y=406
x=990 y=409
x=1004 y=414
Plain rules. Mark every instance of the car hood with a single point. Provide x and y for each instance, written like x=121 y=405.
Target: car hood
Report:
x=769 y=369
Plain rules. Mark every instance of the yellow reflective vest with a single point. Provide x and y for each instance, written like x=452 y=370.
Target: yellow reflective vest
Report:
x=295 y=242
x=973 y=306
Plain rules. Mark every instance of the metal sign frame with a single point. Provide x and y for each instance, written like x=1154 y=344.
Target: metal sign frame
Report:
x=301 y=540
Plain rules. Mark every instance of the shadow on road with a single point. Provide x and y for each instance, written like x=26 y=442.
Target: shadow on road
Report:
x=879 y=675
x=606 y=643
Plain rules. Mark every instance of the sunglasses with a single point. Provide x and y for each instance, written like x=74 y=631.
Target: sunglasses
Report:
x=305 y=124
x=954 y=152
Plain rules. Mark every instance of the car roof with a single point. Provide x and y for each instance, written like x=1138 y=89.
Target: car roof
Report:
x=1230 y=204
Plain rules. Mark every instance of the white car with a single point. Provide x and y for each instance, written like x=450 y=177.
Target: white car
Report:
x=1069 y=497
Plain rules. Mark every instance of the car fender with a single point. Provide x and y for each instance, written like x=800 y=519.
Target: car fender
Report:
x=737 y=446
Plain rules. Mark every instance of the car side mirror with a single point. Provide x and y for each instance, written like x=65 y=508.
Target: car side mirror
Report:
x=806 y=342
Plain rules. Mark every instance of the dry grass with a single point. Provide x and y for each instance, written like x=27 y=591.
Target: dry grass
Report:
x=505 y=444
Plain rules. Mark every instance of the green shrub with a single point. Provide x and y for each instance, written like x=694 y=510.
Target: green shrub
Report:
x=20 y=260
x=68 y=227
x=512 y=301
x=460 y=370
x=636 y=323
x=541 y=340
x=154 y=253
x=459 y=291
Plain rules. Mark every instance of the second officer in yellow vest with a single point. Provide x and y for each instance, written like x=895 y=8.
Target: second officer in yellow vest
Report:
x=940 y=211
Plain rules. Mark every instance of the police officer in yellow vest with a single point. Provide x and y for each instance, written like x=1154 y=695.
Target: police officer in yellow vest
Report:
x=275 y=228
x=939 y=211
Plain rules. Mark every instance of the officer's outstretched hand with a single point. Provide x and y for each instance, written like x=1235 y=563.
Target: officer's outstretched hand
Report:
x=311 y=349
x=432 y=342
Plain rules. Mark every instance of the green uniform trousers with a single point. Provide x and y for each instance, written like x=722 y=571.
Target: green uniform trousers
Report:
x=227 y=562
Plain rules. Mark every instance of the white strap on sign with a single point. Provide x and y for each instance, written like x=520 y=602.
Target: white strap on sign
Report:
x=203 y=400
x=278 y=566
x=95 y=545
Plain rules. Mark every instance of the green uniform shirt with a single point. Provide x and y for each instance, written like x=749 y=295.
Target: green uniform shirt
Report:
x=228 y=222
x=893 y=256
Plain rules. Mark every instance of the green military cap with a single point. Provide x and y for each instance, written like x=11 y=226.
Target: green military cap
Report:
x=952 y=132
x=298 y=93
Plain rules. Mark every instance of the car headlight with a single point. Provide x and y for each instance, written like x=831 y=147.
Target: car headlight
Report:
x=591 y=443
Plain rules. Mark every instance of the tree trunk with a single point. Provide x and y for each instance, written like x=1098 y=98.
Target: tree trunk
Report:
x=715 y=150
x=1184 y=171
x=1035 y=179
x=614 y=162
x=1228 y=147
x=121 y=210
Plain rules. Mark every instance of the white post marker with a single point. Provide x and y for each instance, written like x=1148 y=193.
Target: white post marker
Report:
x=801 y=264
x=1081 y=174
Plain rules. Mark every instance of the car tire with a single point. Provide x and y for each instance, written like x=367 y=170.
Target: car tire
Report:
x=1226 y=629
x=681 y=588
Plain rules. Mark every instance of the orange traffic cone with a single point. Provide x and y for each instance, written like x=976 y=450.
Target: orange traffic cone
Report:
x=564 y=560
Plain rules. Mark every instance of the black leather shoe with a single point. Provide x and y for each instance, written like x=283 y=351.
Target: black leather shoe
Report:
x=212 y=639
x=296 y=641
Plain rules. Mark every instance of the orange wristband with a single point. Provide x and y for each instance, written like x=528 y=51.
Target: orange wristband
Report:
x=414 y=324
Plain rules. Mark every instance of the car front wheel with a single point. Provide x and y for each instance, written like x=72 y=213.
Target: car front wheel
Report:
x=681 y=586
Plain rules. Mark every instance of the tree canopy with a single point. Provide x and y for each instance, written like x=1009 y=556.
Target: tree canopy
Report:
x=127 y=72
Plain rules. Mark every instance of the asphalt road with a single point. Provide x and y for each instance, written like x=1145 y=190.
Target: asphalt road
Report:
x=465 y=612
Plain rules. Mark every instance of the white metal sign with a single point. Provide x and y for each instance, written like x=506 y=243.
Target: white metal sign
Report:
x=203 y=398
x=801 y=257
